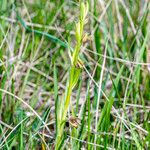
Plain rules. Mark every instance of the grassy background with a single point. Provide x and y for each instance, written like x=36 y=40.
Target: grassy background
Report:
x=111 y=102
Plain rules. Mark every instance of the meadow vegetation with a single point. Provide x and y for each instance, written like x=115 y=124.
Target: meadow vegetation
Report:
x=74 y=74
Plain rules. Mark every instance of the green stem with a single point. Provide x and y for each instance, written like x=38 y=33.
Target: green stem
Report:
x=69 y=91
x=67 y=102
